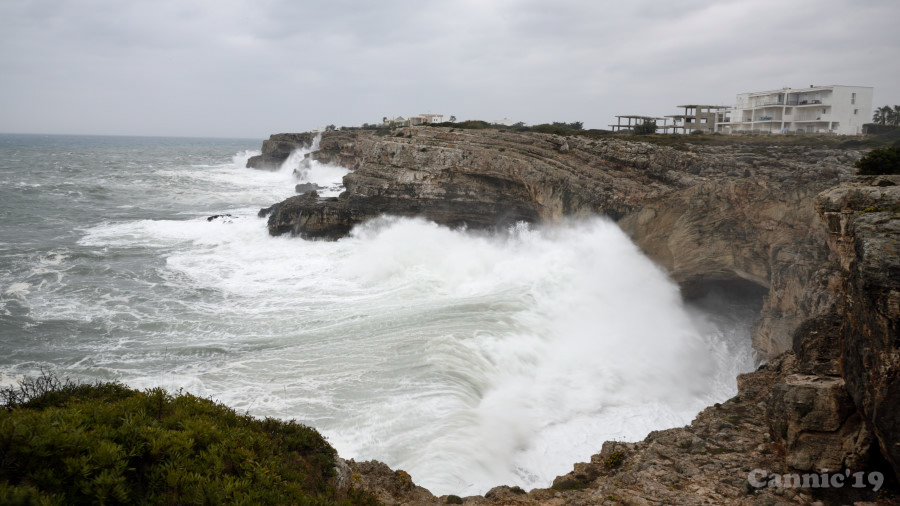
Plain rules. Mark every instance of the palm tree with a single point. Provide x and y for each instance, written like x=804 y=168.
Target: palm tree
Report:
x=882 y=115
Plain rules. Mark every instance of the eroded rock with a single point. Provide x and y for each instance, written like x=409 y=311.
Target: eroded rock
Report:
x=863 y=219
x=816 y=421
x=277 y=148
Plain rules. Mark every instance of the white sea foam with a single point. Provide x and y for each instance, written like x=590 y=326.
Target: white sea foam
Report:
x=307 y=170
x=17 y=289
x=239 y=160
x=466 y=359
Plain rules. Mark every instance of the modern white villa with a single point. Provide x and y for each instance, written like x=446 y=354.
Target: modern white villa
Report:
x=818 y=109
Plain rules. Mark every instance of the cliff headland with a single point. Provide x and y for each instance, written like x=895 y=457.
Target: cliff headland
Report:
x=788 y=222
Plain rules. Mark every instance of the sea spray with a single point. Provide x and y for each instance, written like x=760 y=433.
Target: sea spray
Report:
x=466 y=359
x=308 y=170
x=572 y=337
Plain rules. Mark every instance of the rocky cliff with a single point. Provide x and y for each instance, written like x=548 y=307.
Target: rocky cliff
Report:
x=738 y=215
x=863 y=220
x=277 y=148
x=788 y=222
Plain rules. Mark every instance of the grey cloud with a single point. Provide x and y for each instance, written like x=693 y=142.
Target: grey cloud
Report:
x=240 y=68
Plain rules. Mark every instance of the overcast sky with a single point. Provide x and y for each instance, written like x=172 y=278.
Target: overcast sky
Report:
x=240 y=68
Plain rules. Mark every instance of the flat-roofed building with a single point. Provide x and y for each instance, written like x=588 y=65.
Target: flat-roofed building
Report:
x=698 y=117
x=633 y=120
x=818 y=109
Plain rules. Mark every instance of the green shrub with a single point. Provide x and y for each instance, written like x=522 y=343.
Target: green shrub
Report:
x=64 y=443
x=556 y=128
x=471 y=124
x=614 y=460
x=880 y=161
x=646 y=128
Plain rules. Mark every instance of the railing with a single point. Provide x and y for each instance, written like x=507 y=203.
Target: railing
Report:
x=779 y=102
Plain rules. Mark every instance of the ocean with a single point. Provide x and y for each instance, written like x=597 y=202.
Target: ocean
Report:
x=467 y=359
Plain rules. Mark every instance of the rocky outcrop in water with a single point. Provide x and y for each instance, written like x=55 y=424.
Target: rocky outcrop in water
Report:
x=277 y=148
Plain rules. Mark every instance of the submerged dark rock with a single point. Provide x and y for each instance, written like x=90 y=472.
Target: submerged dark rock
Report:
x=308 y=216
x=307 y=187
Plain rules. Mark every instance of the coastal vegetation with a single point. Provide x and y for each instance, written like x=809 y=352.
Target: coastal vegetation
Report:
x=555 y=127
x=68 y=443
x=879 y=134
x=880 y=161
x=646 y=128
x=887 y=115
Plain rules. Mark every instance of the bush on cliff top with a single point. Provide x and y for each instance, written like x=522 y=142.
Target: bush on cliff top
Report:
x=880 y=161
x=648 y=127
x=557 y=127
x=64 y=443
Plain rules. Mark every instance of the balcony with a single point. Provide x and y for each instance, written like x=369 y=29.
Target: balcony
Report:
x=823 y=118
x=802 y=103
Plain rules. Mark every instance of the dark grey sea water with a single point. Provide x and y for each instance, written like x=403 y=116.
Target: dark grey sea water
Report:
x=60 y=296
x=468 y=360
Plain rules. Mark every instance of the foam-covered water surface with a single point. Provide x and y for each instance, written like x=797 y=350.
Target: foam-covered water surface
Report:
x=467 y=359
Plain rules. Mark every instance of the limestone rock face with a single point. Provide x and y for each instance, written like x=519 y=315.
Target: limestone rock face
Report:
x=488 y=178
x=277 y=148
x=816 y=421
x=863 y=219
x=757 y=231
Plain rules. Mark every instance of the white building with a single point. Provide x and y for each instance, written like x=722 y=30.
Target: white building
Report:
x=818 y=109
x=422 y=119
x=433 y=118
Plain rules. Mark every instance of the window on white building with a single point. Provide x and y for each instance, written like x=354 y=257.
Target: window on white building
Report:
x=855 y=111
x=853 y=99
